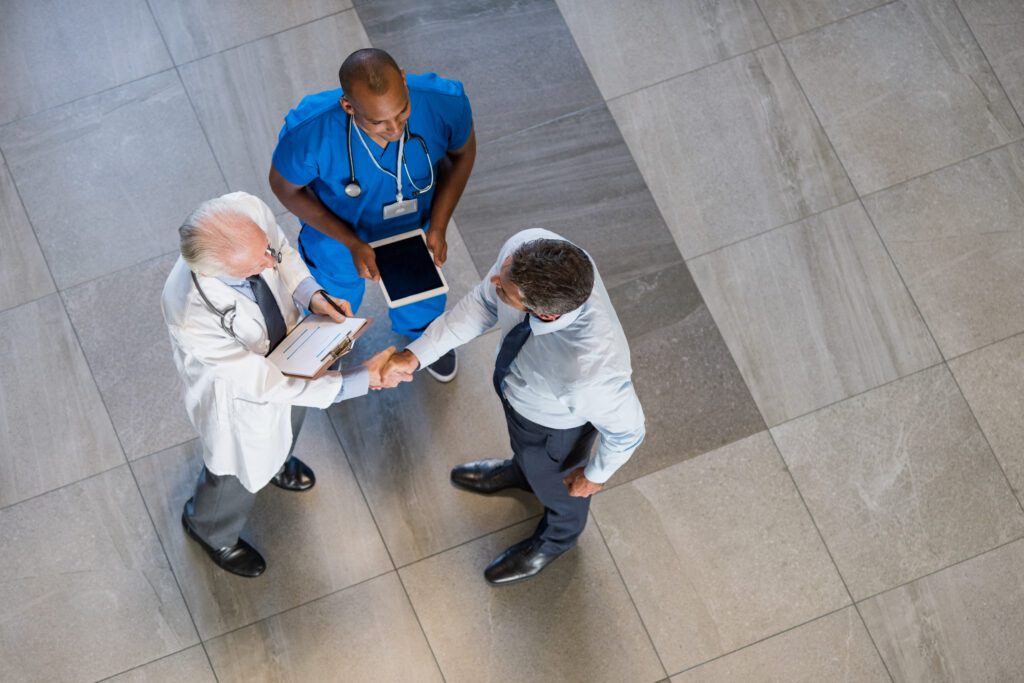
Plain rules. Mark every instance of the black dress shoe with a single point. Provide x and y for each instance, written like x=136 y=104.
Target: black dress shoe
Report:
x=522 y=561
x=294 y=476
x=240 y=559
x=488 y=476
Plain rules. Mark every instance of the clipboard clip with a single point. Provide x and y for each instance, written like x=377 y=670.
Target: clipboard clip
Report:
x=342 y=348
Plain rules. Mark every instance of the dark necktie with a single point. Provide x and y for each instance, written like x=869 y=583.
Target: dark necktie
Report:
x=510 y=346
x=276 y=329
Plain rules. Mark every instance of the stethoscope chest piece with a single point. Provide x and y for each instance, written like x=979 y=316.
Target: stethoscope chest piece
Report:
x=353 y=189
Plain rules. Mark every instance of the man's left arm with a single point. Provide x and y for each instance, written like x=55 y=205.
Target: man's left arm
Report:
x=452 y=175
x=614 y=410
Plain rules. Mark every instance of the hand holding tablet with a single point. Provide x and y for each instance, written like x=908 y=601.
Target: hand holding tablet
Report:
x=407 y=270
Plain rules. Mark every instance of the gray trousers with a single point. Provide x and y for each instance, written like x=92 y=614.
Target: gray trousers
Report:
x=221 y=505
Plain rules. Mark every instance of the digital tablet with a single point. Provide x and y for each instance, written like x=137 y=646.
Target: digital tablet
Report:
x=407 y=270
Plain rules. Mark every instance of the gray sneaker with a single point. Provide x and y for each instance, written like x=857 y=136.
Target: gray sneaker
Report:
x=444 y=368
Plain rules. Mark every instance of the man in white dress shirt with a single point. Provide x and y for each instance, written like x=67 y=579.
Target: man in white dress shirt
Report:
x=564 y=378
x=236 y=289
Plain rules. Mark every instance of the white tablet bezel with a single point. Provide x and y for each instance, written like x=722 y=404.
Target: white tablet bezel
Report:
x=430 y=293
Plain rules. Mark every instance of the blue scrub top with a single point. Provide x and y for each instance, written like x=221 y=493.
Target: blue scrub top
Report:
x=312 y=150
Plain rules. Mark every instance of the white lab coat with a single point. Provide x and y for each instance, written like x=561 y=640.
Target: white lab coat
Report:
x=237 y=400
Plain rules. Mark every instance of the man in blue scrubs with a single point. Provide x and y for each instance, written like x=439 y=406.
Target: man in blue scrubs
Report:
x=377 y=110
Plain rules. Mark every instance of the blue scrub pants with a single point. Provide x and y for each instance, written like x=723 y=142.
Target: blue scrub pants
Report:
x=337 y=274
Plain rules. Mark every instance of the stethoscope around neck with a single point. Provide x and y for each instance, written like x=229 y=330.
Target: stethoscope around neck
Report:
x=227 y=315
x=354 y=189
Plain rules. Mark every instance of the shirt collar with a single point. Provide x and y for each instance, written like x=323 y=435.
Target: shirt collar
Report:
x=538 y=326
x=231 y=281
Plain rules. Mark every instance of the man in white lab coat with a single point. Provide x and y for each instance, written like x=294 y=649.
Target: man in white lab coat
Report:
x=236 y=289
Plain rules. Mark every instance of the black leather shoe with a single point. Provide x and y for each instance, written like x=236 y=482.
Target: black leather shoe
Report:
x=522 y=561
x=240 y=559
x=294 y=476
x=488 y=476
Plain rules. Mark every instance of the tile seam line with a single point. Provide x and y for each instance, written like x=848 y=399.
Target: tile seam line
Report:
x=108 y=470
x=629 y=594
x=419 y=623
x=983 y=347
x=776 y=41
x=152 y=661
x=534 y=126
x=831 y=557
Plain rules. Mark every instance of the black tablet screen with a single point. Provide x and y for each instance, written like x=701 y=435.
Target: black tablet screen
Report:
x=406 y=267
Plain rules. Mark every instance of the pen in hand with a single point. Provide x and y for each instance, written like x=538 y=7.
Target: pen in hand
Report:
x=333 y=305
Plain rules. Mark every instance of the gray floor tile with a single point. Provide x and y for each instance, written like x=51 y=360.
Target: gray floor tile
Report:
x=195 y=29
x=731 y=151
x=84 y=586
x=23 y=272
x=992 y=380
x=902 y=90
x=315 y=543
x=900 y=481
x=999 y=27
x=957 y=236
x=403 y=442
x=242 y=95
x=693 y=395
x=573 y=622
x=790 y=17
x=55 y=52
x=628 y=49
x=364 y=633
x=832 y=648
x=962 y=624
x=574 y=176
x=516 y=58
x=125 y=340
x=107 y=180
x=718 y=552
x=814 y=312
x=188 y=665
x=55 y=429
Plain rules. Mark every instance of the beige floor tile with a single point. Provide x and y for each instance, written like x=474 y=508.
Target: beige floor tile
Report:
x=814 y=312
x=573 y=622
x=188 y=665
x=403 y=442
x=790 y=17
x=731 y=151
x=992 y=380
x=833 y=648
x=108 y=179
x=55 y=52
x=243 y=95
x=53 y=424
x=999 y=27
x=194 y=29
x=902 y=90
x=85 y=589
x=718 y=552
x=900 y=481
x=628 y=49
x=961 y=624
x=23 y=272
x=363 y=633
x=140 y=386
x=957 y=236
x=315 y=542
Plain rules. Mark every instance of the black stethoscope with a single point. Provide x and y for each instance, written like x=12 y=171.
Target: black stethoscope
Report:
x=354 y=189
x=227 y=316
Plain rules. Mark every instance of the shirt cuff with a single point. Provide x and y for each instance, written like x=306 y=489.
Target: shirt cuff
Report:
x=594 y=474
x=304 y=292
x=355 y=383
x=425 y=350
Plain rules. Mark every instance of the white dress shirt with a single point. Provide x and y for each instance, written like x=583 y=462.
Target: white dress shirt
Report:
x=570 y=371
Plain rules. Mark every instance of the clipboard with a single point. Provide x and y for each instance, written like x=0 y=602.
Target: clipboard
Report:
x=315 y=344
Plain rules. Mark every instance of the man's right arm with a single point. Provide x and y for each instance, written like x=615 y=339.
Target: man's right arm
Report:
x=302 y=202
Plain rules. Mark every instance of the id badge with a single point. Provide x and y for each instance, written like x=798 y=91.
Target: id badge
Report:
x=402 y=208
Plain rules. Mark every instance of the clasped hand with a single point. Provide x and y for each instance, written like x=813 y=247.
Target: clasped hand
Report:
x=388 y=369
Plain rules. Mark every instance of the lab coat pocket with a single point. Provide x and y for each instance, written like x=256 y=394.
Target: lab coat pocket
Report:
x=251 y=417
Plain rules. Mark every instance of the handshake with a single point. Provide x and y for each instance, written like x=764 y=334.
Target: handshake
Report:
x=389 y=368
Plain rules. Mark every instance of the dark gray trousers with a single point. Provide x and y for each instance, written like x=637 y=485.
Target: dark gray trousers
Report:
x=221 y=505
x=544 y=456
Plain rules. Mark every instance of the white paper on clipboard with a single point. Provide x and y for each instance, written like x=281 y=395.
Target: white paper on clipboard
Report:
x=314 y=342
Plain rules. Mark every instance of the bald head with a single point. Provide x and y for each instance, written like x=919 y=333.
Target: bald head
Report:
x=369 y=68
x=219 y=239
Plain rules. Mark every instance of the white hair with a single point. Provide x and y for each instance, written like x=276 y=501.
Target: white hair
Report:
x=209 y=235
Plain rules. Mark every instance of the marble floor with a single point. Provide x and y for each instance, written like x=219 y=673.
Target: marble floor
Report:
x=809 y=214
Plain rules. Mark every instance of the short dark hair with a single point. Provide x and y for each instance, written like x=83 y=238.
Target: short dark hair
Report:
x=553 y=276
x=372 y=67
